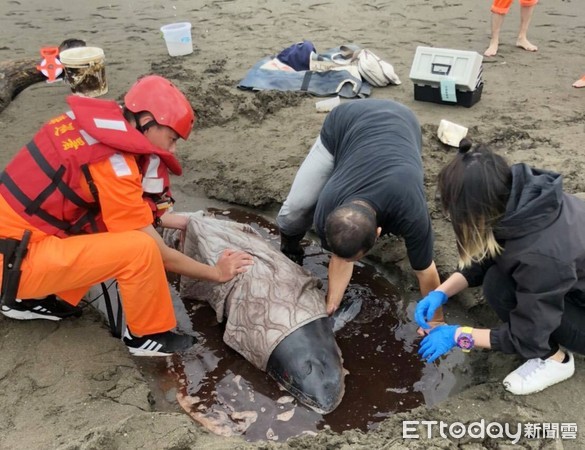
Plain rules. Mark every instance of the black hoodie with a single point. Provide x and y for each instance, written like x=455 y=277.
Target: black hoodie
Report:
x=543 y=235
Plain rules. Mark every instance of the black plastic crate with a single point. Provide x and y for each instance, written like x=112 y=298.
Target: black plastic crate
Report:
x=427 y=93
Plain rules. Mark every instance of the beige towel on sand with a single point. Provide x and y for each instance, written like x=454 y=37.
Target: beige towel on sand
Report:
x=262 y=306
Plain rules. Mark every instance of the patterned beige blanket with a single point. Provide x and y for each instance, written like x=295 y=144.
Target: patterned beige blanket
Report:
x=262 y=306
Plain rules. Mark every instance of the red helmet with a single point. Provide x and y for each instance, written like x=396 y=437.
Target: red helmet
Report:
x=164 y=101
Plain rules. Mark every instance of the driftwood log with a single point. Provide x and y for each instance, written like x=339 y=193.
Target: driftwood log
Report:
x=17 y=75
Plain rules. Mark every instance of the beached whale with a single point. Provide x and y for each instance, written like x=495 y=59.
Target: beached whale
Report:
x=307 y=363
x=274 y=313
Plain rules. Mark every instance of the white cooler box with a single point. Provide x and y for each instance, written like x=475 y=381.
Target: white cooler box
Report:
x=447 y=76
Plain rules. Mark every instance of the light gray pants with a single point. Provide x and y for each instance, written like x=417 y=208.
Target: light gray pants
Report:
x=296 y=214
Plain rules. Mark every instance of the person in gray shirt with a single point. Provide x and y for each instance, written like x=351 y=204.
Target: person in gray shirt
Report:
x=363 y=178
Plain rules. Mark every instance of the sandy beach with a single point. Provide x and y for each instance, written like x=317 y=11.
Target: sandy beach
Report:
x=70 y=385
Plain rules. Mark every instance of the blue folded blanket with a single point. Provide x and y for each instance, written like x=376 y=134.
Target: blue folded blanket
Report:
x=319 y=83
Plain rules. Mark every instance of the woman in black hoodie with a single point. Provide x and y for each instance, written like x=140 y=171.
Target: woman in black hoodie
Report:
x=523 y=239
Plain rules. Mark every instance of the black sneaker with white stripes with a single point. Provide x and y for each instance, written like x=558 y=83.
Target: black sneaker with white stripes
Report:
x=48 y=308
x=159 y=344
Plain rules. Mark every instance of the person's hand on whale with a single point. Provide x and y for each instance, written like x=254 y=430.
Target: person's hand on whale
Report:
x=332 y=305
x=231 y=263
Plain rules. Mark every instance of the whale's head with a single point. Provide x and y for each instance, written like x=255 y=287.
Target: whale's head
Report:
x=308 y=364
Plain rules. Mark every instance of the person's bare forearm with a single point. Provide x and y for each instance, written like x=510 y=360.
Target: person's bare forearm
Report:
x=177 y=262
x=340 y=272
x=453 y=285
x=174 y=221
x=183 y=265
x=428 y=279
x=230 y=262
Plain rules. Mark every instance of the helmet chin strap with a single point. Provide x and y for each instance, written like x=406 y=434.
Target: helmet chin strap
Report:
x=146 y=126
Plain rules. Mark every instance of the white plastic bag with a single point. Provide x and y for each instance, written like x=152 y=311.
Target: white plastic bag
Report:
x=375 y=71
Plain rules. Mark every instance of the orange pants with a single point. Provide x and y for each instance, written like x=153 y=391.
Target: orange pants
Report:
x=69 y=267
x=503 y=6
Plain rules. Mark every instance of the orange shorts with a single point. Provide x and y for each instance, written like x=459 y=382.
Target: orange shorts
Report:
x=69 y=267
x=503 y=6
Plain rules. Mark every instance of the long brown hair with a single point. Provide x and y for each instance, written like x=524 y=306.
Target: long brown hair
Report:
x=474 y=189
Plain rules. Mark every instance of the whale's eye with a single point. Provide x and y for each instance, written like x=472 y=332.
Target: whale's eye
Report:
x=307 y=368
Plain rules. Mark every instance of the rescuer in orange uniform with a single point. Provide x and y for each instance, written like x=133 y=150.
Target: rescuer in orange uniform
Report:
x=79 y=205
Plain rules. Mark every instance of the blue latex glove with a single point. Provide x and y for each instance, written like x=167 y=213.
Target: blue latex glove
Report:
x=426 y=307
x=439 y=341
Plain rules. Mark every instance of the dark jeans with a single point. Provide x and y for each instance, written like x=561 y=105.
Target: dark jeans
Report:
x=500 y=292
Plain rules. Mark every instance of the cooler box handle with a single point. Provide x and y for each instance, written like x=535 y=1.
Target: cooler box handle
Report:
x=440 y=69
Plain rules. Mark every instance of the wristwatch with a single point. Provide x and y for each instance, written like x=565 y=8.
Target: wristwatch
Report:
x=465 y=340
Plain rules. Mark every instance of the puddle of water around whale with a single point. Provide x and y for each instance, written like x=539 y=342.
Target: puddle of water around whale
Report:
x=220 y=389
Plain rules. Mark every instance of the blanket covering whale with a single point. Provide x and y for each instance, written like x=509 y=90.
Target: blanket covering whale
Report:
x=262 y=306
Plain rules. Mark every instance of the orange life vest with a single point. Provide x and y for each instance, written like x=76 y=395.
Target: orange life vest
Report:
x=42 y=182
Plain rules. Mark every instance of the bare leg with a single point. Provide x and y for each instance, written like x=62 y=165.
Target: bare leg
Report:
x=525 y=17
x=580 y=82
x=497 y=21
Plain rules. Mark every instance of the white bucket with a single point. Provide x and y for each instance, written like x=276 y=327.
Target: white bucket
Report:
x=178 y=38
x=85 y=70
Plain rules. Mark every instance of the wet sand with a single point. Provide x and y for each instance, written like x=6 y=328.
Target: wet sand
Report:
x=71 y=386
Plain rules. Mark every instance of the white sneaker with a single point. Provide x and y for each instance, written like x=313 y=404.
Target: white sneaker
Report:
x=537 y=374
